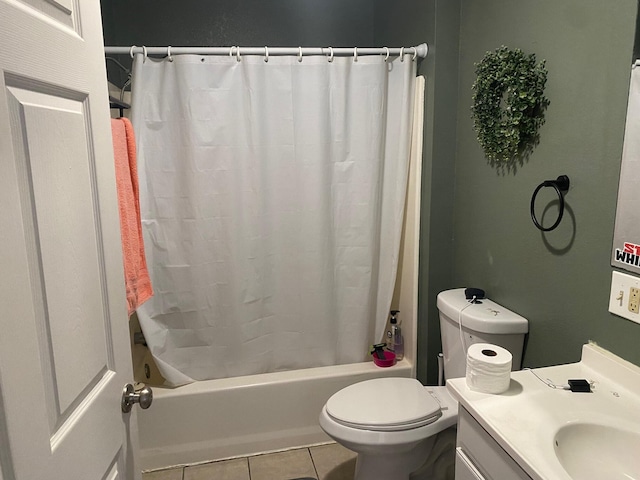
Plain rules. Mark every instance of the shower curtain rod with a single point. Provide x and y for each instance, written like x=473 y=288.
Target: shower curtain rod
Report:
x=419 y=51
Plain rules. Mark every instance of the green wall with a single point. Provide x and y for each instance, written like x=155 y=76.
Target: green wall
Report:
x=476 y=229
x=559 y=280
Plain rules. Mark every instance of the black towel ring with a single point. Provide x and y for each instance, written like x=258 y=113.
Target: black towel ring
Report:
x=561 y=186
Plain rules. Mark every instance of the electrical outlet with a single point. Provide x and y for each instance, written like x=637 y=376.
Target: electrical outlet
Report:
x=634 y=299
x=624 y=299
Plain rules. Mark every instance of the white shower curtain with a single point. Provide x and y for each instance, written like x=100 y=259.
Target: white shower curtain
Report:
x=272 y=197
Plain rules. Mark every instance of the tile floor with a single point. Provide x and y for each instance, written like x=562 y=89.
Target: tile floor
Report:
x=323 y=462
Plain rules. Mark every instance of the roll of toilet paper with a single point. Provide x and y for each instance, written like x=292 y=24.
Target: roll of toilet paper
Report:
x=488 y=368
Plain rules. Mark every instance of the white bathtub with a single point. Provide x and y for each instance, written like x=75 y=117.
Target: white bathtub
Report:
x=216 y=419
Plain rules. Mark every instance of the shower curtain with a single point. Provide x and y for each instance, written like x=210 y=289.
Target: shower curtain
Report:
x=272 y=198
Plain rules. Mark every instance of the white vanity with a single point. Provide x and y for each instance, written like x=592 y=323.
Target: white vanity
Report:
x=534 y=431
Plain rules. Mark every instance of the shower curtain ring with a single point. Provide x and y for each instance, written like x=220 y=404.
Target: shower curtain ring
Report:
x=386 y=57
x=131 y=50
x=169 y=57
x=238 y=53
x=330 y=54
x=231 y=51
x=415 y=54
x=144 y=52
x=300 y=54
x=402 y=54
x=355 y=54
x=266 y=54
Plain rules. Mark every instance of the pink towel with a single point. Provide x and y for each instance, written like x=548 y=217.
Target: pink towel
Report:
x=136 y=275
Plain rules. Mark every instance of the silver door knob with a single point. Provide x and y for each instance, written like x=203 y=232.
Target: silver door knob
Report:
x=130 y=396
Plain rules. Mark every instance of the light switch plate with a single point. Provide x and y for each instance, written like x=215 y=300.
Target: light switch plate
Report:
x=622 y=301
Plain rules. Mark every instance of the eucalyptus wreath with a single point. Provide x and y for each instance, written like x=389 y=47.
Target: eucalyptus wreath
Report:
x=508 y=105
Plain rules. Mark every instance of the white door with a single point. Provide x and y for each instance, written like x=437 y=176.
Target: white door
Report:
x=64 y=348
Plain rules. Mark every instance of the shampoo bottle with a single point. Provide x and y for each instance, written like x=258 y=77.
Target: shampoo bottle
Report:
x=397 y=341
x=389 y=331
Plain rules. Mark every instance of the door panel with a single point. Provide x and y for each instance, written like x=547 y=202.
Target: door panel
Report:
x=64 y=274
x=62 y=12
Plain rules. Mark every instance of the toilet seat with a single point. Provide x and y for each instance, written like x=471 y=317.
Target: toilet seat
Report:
x=385 y=405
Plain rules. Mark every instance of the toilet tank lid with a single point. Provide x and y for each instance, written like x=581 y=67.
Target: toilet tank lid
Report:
x=485 y=317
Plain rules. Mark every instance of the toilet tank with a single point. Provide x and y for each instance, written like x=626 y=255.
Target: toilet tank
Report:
x=483 y=322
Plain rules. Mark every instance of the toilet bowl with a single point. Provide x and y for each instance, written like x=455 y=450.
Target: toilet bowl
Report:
x=391 y=423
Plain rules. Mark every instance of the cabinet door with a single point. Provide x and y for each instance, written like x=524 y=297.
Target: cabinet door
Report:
x=486 y=454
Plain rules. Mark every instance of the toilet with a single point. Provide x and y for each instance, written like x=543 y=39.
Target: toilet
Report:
x=393 y=423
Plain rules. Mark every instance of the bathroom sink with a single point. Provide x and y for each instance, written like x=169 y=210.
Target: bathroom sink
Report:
x=556 y=434
x=591 y=450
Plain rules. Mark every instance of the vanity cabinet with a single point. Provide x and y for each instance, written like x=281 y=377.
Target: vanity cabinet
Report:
x=478 y=455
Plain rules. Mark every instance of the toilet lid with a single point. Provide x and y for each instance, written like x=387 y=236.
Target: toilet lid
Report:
x=385 y=404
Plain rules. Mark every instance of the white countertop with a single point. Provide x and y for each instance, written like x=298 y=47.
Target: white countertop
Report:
x=525 y=419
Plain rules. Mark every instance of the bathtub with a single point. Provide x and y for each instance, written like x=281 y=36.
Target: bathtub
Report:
x=216 y=419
